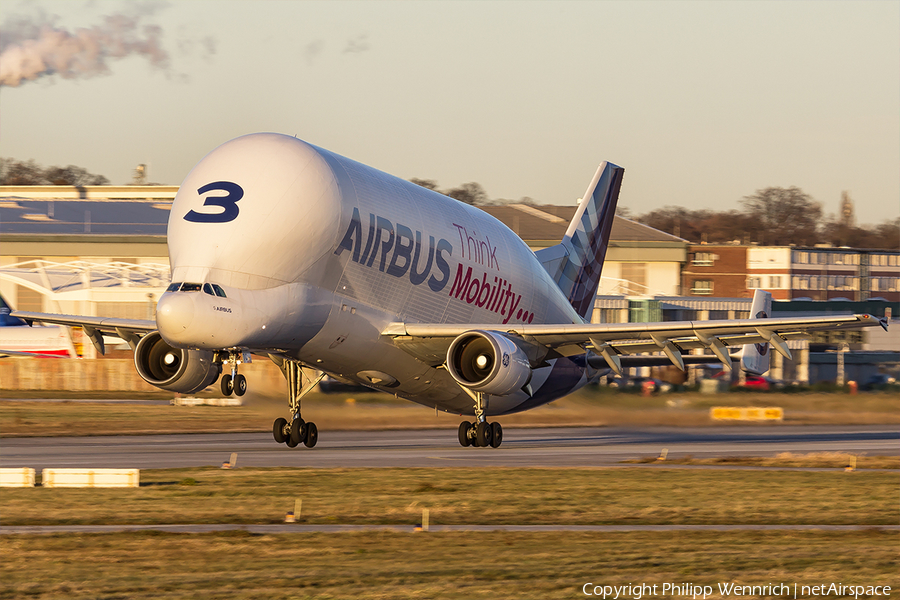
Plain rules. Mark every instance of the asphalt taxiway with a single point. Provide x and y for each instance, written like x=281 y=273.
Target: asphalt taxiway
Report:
x=525 y=447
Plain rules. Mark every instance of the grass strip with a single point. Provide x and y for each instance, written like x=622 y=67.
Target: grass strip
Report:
x=471 y=496
x=385 y=564
x=828 y=460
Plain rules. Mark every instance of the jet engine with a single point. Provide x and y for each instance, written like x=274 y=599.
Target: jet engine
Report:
x=173 y=369
x=489 y=362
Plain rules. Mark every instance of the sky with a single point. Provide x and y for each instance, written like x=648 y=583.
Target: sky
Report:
x=703 y=103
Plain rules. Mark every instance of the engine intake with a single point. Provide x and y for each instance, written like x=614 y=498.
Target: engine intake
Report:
x=489 y=362
x=173 y=369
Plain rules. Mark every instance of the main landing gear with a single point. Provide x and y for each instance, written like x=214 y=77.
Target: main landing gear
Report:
x=297 y=431
x=234 y=382
x=480 y=433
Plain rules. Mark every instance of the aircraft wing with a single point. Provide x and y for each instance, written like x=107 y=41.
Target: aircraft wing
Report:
x=129 y=330
x=429 y=342
x=5 y=353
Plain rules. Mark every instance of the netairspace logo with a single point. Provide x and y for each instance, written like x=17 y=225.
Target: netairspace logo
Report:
x=726 y=590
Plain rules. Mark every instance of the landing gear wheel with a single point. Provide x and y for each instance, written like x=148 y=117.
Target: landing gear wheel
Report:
x=278 y=430
x=240 y=384
x=464 y=428
x=483 y=434
x=496 y=435
x=299 y=431
x=289 y=441
x=227 y=385
x=312 y=435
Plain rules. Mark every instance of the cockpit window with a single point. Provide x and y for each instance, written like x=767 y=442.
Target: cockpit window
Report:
x=208 y=288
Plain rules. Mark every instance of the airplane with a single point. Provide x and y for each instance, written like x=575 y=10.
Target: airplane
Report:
x=327 y=266
x=18 y=339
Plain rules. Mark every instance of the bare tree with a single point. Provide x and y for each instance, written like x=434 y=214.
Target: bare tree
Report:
x=73 y=175
x=470 y=193
x=17 y=172
x=625 y=212
x=783 y=216
x=429 y=184
x=679 y=221
x=886 y=235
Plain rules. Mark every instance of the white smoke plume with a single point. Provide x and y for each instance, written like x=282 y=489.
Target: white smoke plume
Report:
x=30 y=50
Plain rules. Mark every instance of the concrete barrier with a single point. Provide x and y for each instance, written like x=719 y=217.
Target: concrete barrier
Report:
x=17 y=477
x=91 y=478
x=746 y=413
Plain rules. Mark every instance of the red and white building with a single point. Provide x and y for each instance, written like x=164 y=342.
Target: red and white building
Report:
x=792 y=273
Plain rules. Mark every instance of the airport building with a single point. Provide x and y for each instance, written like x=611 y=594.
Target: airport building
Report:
x=792 y=272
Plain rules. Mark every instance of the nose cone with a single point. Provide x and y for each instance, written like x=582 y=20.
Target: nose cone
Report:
x=174 y=315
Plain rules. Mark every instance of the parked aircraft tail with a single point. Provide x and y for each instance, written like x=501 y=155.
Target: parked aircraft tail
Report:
x=576 y=262
x=755 y=357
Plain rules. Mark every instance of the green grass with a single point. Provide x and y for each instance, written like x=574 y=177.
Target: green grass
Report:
x=627 y=495
x=384 y=564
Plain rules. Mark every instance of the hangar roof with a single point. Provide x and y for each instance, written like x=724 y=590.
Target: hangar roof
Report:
x=549 y=224
x=87 y=217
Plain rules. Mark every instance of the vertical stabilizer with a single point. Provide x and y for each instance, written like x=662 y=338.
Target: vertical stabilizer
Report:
x=755 y=357
x=576 y=262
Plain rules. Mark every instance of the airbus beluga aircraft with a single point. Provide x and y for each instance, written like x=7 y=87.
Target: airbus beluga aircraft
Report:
x=283 y=249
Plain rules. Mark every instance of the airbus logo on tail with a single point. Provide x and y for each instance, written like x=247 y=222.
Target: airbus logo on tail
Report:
x=397 y=250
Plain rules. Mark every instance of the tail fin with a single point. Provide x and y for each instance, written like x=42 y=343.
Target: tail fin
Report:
x=755 y=357
x=576 y=262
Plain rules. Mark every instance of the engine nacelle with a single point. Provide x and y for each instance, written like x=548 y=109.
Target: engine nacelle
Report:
x=173 y=369
x=489 y=362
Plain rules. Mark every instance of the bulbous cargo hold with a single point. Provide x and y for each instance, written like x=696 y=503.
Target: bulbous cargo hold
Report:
x=174 y=369
x=246 y=197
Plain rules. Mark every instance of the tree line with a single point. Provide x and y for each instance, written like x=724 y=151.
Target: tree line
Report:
x=772 y=217
x=18 y=172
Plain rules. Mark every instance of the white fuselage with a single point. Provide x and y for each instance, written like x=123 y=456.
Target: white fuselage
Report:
x=317 y=254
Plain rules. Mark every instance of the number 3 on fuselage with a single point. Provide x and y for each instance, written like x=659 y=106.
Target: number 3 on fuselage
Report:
x=228 y=203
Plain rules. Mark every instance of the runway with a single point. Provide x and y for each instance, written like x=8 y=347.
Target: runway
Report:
x=527 y=447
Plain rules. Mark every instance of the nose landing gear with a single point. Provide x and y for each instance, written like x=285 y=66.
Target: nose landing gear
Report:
x=234 y=382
